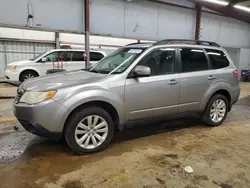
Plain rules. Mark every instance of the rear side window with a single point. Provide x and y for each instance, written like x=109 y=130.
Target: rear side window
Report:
x=218 y=59
x=77 y=56
x=193 y=60
x=95 y=56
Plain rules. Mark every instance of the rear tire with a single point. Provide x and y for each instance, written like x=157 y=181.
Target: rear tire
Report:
x=84 y=125
x=216 y=110
x=25 y=75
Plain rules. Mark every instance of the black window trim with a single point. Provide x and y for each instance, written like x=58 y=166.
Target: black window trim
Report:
x=130 y=75
x=180 y=60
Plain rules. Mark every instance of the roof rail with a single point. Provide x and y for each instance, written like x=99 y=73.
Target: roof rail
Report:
x=198 y=42
x=139 y=43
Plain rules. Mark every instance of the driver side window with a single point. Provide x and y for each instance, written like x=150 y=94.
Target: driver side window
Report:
x=161 y=61
x=54 y=56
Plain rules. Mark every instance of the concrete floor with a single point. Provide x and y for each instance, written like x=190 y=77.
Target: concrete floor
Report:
x=145 y=156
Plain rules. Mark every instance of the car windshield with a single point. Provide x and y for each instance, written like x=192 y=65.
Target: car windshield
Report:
x=118 y=61
x=39 y=56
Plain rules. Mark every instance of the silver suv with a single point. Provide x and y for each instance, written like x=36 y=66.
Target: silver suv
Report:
x=137 y=82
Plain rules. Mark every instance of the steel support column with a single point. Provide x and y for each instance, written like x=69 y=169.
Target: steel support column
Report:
x=198 y=22
x=87 y=33
x=57 y=40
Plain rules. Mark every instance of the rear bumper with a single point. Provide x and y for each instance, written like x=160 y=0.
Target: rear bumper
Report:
x=37 y=129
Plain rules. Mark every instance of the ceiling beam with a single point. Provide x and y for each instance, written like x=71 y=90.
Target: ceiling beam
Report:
x=226 y=10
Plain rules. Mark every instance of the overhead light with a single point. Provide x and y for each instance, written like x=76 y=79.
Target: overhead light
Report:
x=224 y=3
x=242 y=8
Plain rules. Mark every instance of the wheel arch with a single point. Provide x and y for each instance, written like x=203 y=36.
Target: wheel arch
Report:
x=101 y=104
x=25 y=70
x=223 y=92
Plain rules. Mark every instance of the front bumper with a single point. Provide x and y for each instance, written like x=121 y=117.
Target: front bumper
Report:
x=39 y=130
x=11 y=75
x=44 y=119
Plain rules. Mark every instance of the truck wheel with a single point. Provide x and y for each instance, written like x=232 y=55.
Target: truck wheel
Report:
x=89 y=130
x=216 y=110
x=27 y=75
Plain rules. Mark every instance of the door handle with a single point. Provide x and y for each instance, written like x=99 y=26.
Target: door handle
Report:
x=211 y=77
x=172 y=82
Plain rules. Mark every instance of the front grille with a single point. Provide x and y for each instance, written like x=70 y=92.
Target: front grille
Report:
x=20 y=93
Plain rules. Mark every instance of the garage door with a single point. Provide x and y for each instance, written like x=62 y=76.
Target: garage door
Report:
x=234 y=53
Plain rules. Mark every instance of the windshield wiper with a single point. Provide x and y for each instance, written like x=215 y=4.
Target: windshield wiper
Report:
x=93 y=70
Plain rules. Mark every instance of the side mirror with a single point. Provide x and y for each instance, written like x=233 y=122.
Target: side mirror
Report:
x=142 y=71
x=44 y=59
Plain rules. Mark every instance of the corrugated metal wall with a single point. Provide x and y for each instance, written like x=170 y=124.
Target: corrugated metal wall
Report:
x=11 y=51
x=244 y=58
x=234 y=53
x=141 y=19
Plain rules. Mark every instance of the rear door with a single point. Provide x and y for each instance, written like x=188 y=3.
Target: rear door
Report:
x=75 y=60
x=195 y=78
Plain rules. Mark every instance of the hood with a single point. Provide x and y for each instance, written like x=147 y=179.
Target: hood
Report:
x=62 y=80
x=20 y=62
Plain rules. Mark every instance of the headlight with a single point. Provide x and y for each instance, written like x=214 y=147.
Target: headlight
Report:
x=30 y=97
x=11 y=67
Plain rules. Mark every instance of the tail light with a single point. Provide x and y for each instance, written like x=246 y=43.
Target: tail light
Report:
x=236 y=74
x=85 y=57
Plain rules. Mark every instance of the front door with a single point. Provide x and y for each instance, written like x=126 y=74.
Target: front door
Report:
x=53 y=60
x=158 y=94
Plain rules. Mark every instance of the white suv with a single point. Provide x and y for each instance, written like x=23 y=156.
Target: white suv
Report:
x=69 y=58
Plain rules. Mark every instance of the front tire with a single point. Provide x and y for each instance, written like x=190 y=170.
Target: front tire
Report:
x=27 y=75
x=216 y=110
x=89 y=130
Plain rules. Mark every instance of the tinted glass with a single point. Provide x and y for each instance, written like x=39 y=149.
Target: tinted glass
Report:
x=160 y=61
x=218 y=59
x=95 y=56
x=77 y=56
x=193 y=60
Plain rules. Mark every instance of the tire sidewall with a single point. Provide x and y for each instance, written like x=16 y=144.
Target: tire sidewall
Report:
x=76 y=118
x=207 y=117
x=22 y=77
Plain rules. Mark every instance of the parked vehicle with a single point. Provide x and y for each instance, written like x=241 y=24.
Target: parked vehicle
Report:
x=137 y=82
x=71 y=60
x=245 y=75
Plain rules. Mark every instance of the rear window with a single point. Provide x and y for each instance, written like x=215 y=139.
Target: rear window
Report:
x=217 y=58
x=95 y=56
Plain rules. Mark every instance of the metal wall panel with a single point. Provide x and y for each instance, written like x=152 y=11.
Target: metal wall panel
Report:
x=2 y=64
x=226 y=31
x=176 y=22
x=244 y=59
x=14 y=12
x=141 y=19
x=42 y=47
x=107 y=17
x=59 y=14
x=234 y=53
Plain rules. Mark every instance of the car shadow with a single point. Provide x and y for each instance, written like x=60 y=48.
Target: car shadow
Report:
x=41 y=147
